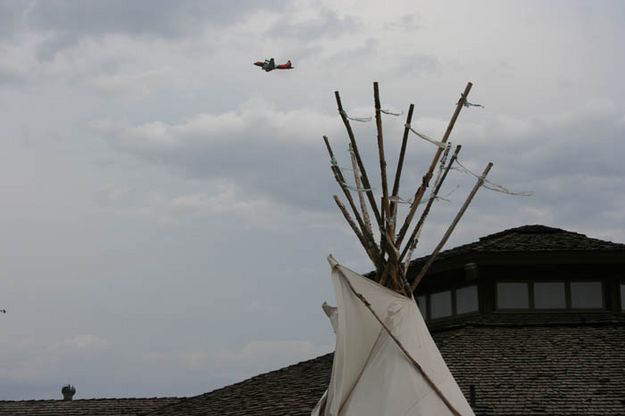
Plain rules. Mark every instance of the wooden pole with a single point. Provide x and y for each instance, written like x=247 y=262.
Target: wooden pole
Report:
x=378 y=125
x=359 y=188
x=365 y=178
x=365 y=243
x=400 y=165
x=387 y=244
x=453 y=224
x=409 y=357
x=412 y=241
x=340 y=179
x=406 y=255
x=426 y=179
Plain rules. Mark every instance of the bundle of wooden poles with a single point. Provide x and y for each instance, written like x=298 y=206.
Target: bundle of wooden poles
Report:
x=391 y=248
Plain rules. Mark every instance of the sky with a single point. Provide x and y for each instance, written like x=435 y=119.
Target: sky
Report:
x=166 y=207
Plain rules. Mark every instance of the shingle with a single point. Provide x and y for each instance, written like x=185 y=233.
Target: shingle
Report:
x=532 y=238
x=84 y=407
x=556 y=368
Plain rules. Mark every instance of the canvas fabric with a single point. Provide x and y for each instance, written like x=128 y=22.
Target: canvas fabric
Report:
x=371 y=375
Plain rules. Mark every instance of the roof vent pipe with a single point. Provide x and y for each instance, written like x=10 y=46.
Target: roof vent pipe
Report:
x=68 y=392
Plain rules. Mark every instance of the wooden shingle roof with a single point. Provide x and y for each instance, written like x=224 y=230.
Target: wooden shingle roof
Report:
x=556 y=367
x=532 y=239
x=84 y=407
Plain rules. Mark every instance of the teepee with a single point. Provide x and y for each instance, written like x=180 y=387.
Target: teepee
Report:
x=386 y=362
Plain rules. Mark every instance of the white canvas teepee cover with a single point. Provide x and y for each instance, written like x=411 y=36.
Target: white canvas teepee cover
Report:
x=371 y=375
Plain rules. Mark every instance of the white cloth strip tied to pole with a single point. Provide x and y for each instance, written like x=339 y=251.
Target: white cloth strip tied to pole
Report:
x=359 y=119
x=467 y=104
x=401 y=200
x=426 y=138
x=491 y=185
x=441 y=165
x=361 y=197
x=391 y=113
x=385 y=362
x=356 y=189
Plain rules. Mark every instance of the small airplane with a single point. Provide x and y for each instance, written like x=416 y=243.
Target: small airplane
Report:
x=270 y=65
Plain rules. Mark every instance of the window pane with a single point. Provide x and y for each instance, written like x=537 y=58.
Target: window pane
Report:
x=440 y=304
x=422 y=306
x=586 y=295
x=512 y=296
x=466 y=300
x=623 y=296
x=549 y=295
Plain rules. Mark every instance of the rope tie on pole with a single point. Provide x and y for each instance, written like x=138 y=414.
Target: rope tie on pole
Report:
x=467 y=104
x=425 y=137
x=356 y=189
x=391 y=113
x=489 y=184
x=359 y=119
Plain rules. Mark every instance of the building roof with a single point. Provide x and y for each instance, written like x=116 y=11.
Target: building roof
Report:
x=534 y=238
x=83 y=407
x=292 y=390
x=548 y=367
x=545 y=244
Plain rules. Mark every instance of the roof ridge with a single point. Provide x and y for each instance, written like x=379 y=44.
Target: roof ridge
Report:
x=94 y=399
x=530 y=238
x=260 y=376
x=528 y=229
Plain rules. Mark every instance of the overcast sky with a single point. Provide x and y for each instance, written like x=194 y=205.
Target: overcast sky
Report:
x=167 y=206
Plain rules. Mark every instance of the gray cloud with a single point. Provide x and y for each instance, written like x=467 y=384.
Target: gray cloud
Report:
x=326 y=25
x=12 y=16
x=66 y=21
x=266 y=151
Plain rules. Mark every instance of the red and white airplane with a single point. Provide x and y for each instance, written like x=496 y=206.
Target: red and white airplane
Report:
x=269 y=65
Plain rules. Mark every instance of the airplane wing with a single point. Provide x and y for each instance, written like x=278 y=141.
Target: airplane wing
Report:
x=259 y=63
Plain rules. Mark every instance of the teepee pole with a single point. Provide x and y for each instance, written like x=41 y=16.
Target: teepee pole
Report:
x=340 y=179
x=409 y=357
x=412 y=241
x=426 y=179
x=371 y=252
x=360 y=190
x=400 y=164
x=453 y=224
x=386 y=244
x=365 y=178
x=378 y=125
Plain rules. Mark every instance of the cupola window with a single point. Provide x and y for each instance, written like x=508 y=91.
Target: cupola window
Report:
x=513 y=295
x=549 y=295
x=440 y=304
x=466 y=300
x=586 y=295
